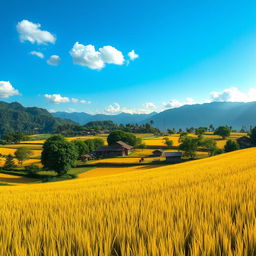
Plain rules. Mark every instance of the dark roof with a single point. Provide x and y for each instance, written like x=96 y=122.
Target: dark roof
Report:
x=124 y=145
x=173 y=154
x=118 y=146
x=244 y=138
x=109 y=148
x=158 y=150
x=86 y=155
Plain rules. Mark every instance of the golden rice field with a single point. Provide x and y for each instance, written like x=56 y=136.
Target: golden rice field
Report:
x=26 y=162
x=7 y=151
x=16 y=146
x=125 y=160
x=202 y=207
x=105 y=171
x=15 y=180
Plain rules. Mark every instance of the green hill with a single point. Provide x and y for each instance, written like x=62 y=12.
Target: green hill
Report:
x=16 y=118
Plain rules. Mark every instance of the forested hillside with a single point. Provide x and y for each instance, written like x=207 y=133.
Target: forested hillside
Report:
x=16 y=118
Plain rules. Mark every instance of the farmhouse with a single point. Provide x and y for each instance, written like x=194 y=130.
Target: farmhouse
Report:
x=86 y=157
x=118 y=149
x=173 y=157
x=244 y=142
x=158 y=152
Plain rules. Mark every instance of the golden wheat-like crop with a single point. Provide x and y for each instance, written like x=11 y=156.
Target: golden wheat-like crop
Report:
x=203 y=207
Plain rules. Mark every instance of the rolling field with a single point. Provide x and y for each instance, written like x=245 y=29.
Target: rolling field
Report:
x=202 y=207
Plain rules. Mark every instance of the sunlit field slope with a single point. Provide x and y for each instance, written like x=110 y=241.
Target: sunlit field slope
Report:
x=202 y=207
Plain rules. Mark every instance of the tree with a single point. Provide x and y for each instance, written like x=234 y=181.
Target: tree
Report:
x=90 y=144
x=231 y=145
x=98 y=142
x=189 y=145
x=211 y=128
x=253 y=135
x=9 y=163
x=223 y=131
x=126 y=137
x=81 y=148
x=210 y=145
x=183 y=135
x=201 y=130
x=168 y=142
x=22 y=154
x=171 y=131
x=58 y=154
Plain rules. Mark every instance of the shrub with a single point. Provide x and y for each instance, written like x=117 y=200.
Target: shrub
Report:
x=32 y=168
x=9 y=163
x=231 y=145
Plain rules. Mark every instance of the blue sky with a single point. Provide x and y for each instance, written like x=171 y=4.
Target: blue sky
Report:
x=188 y=52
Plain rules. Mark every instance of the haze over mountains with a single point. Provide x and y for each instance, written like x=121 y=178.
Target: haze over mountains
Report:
x=235 y=114
x=122 y=118
x=16 y=118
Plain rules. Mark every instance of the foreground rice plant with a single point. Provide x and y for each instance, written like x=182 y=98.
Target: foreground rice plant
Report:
x=203 y=207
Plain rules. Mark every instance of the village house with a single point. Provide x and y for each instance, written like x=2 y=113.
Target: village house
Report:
x=173 y=157
x=118 y=149
x=86 y=157
x=244 y=142
x=158 y=152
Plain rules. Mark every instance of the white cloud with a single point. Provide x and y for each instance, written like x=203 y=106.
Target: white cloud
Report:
x=111 y=55
x=86 y=55
x=150 y=105
x=7 y=90
x=233 y=94
x=132 y=55
x=29 y=31
x=57 y=98
x=115 y=108
x=74 y=100
x=84 y=101
x=176 y=103
x=54 y=60
x=38 y=54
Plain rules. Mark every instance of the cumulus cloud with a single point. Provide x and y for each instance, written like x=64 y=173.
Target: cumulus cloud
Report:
x=7 y=90
x=57 y=98
x=233 y=94
x=38 y=54
x=176 y=103
x=54 y=60
x=87 y=55
x=111 y=55
x=132 y=55
x=29 y=31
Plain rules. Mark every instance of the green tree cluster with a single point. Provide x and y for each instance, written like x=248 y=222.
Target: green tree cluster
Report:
x=58 y=154
x=120 y=135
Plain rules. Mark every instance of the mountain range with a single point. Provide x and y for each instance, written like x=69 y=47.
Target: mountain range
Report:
x=235 y=114
x=122 y=118
x=16 y=118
